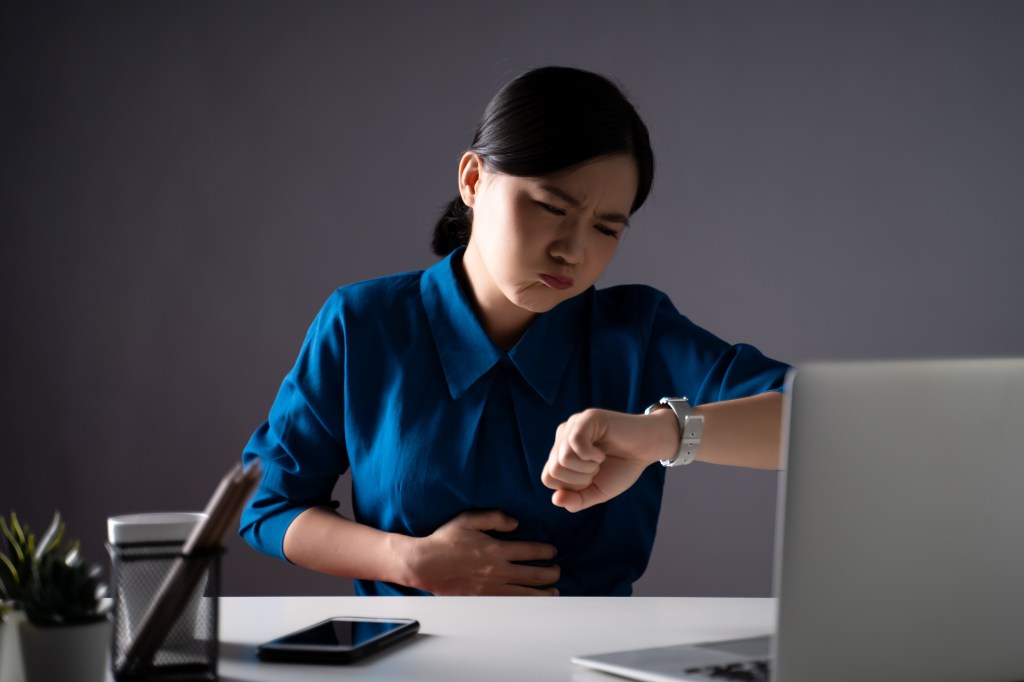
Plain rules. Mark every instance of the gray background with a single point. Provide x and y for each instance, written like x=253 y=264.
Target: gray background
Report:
x=183 y=183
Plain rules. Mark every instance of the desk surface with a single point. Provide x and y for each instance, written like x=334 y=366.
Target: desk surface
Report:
x=483 y=638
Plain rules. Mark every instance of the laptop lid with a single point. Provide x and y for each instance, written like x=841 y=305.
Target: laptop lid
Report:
x=900 y=541
x=901 y=554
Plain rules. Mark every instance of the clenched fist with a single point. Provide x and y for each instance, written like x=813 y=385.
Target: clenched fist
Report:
x=598 y=454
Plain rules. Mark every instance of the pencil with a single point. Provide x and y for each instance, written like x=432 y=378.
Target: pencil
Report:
x=188 y=569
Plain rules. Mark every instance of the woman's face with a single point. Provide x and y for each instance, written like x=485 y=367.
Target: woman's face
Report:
x=538 y=241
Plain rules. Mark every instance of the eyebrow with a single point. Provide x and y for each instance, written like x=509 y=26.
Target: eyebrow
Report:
x=575 y=203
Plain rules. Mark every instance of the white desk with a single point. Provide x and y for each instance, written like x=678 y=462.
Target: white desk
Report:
x=483 y=638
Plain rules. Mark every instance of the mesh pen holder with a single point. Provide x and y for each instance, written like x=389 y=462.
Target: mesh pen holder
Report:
x=190 y=650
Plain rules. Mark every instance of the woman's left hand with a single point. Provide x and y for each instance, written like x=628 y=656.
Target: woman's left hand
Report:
x=599 y=454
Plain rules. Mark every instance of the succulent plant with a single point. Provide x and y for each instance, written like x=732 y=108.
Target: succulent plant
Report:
x=51 y=582
x=20 y=547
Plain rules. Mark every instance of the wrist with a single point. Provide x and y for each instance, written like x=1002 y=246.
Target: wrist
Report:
x=402 y=551
x=690 y=428
x=665 y=434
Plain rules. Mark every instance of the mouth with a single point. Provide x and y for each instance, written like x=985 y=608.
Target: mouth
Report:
x=556 y=281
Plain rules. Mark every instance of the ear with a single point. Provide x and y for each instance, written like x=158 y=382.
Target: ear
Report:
x=469 y=177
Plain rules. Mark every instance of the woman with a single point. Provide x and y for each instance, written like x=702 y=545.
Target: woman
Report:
x=443 y=390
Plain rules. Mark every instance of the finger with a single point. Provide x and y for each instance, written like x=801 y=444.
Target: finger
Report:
x=570 y=500
x=547 y=479
x=517 y=550
x=570 y=480
x=568 y=459
x=566 y=468
x=521 y=591
x=534 y=576
x=490 y=519
x=578 y=500
x=578 y=446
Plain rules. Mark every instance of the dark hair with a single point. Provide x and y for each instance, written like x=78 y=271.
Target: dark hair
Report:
x=549 y=120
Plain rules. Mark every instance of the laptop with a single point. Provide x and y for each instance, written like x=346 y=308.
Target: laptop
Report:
x=900 y=543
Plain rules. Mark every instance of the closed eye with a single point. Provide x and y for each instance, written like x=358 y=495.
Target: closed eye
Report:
x=551 y=209
x=603 y=229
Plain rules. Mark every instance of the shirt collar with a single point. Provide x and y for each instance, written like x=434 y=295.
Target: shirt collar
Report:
x=466 y=351
x=543 y=353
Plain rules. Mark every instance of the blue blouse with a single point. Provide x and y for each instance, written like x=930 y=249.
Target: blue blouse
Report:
x=397 y=381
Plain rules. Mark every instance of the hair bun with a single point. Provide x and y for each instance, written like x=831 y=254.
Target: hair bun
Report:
x=453 y=227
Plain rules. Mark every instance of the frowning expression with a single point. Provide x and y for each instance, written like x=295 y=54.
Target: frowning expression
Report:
x=537 y=241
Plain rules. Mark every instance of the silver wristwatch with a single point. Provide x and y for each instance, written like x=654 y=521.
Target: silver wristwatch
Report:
x=690 y=427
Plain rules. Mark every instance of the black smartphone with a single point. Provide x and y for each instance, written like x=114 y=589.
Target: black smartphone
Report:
x=338 y=640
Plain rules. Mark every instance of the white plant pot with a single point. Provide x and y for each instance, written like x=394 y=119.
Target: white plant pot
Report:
x=71 y=653
x=10 y=648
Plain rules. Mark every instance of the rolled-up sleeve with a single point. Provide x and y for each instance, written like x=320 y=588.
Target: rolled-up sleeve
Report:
x=301 y=446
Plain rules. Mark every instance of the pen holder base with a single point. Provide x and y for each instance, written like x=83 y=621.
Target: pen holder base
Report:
x=190 y=650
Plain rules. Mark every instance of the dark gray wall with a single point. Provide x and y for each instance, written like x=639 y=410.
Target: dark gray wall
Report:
x=184 y=183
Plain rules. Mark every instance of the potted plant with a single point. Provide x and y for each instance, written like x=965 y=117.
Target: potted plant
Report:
x=11 y=569
x=10 y=650
x=65 y=633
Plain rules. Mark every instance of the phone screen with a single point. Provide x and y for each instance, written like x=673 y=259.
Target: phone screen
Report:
x=341 y=634
x=338 y=640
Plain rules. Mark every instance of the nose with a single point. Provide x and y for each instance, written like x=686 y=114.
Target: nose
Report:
x=568 y=248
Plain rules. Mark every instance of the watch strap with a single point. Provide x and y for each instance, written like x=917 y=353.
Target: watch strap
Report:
x=690 y=428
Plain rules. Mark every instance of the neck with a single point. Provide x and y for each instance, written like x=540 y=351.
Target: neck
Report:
x=503 y=321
